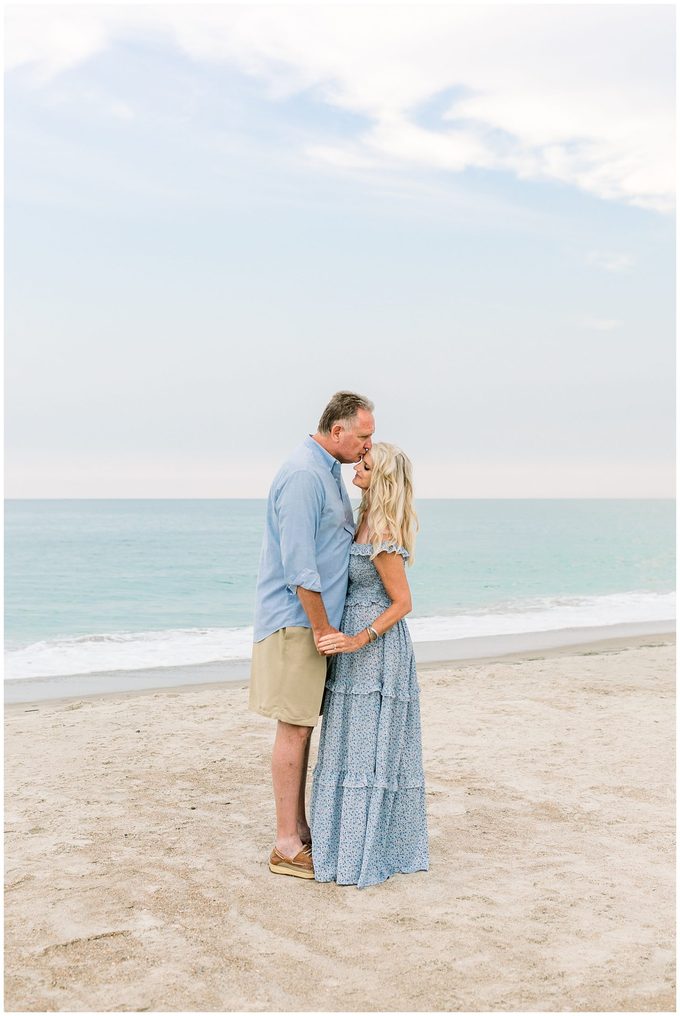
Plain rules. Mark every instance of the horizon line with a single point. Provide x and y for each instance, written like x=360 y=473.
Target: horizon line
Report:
x=575 y=497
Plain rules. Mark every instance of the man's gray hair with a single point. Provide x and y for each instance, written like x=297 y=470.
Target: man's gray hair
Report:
x=342 y=408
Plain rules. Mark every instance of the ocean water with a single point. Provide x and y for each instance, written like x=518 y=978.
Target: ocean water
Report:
x=98 y=585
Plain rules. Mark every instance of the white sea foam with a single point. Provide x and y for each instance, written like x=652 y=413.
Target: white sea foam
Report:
x=186 y=647
x=547 y=614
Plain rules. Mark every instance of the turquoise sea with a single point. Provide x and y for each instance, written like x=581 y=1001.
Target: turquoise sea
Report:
x=95 y=585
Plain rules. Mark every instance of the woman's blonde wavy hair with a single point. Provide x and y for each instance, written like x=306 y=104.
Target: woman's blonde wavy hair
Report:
x=387 y=505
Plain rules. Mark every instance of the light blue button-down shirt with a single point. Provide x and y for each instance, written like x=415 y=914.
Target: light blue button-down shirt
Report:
x=308 y=532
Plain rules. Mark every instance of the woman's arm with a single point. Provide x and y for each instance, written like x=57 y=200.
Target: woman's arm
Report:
x=392 y=570
x=390 y=567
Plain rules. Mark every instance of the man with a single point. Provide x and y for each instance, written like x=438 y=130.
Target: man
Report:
x=300 y=596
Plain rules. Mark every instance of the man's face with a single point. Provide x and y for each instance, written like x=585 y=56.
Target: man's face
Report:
x=353 y=442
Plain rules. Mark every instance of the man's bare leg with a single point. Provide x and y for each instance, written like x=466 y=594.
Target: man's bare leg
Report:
x=289 y=768
x=302 y=824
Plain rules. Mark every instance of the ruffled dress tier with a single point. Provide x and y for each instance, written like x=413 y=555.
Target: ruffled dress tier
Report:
x=368 y=795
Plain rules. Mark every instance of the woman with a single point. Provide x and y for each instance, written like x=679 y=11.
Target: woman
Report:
x=368 y=798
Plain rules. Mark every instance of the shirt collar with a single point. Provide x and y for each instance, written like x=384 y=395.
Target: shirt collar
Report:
x=322 y=454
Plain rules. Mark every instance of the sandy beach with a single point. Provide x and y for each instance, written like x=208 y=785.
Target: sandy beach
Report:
x=138 y=828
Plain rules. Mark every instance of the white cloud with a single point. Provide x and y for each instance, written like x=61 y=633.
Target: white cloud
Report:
x=50 y=41
x=601 y=324
x=343 y=158
x=610 y=261
x=580 y=94
x=121 y=111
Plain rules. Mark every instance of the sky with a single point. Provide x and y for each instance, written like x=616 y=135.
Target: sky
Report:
x=217 y=216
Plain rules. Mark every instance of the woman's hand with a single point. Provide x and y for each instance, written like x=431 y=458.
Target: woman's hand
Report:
x=338 y=642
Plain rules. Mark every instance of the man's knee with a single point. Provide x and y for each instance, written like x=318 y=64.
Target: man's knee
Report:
x=294 y=732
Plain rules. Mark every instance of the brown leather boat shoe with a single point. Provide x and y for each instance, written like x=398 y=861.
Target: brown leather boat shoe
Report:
x=301 y=866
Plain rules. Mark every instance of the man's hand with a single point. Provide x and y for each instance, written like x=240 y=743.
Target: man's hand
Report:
x=319 y=633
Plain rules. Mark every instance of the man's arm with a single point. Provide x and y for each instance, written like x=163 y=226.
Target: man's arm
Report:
x=299 y=505
x=316 y=612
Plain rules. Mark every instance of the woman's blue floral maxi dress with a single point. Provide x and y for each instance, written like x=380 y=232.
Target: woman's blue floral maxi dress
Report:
x=368 y=796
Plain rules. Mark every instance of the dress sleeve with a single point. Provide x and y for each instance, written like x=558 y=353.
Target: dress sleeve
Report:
x=392 y=547
x=389 y=546
x=299 y=504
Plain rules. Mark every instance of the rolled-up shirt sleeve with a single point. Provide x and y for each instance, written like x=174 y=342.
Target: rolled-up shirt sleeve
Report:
x=298 y=507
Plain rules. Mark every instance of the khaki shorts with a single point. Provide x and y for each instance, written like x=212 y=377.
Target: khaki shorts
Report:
x=287 y=677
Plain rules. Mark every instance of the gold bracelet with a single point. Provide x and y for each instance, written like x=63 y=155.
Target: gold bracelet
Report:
x=370 y=629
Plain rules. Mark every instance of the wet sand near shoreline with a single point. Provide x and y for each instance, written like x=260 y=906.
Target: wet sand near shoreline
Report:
x=139 y=825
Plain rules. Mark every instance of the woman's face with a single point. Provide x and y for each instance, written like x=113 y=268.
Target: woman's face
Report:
x=362 y=472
